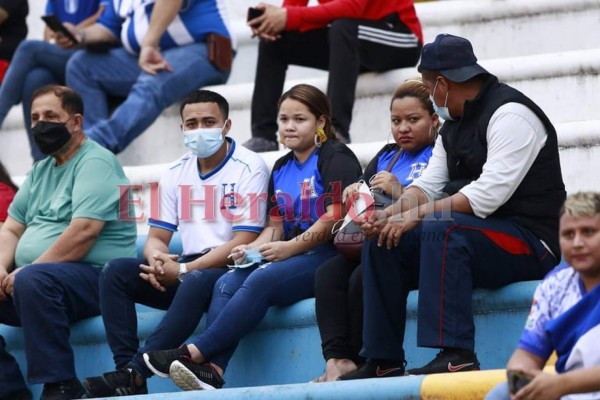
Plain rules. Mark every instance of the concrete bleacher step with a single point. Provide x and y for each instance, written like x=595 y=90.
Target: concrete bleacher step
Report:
x=565 y=85
x=561 y=82
x=285 y=347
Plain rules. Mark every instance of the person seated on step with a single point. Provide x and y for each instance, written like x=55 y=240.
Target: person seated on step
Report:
x=483 y=214
x=211 y=195
x=62 y=227
x=338 y=283
x=564 y=317
x=8 y=189
x=343 y=37
x=41 y=62
x=278 y=268
x=13 y=29
x=165 y=52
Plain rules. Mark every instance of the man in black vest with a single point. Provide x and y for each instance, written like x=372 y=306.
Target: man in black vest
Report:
x=484 y=214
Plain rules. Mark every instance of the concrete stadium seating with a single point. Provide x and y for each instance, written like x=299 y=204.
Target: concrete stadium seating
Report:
x=546 y=48
x=285 y=348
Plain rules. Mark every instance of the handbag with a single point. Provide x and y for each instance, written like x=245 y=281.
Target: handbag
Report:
x=349 y=239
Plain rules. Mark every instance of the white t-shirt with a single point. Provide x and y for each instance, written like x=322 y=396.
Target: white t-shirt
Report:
x=207 y=209
x=515 y=136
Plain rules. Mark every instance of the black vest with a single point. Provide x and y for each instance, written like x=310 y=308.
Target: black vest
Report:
x=538 y=198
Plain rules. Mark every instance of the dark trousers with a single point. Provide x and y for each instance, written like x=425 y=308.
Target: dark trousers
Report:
x=121 y=288
x=339 y=308
x=344 y=50
x=445 y=259
x=47 y=299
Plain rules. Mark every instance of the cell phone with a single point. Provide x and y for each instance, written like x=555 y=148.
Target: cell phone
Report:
x=516 y=381
x=54 y=23
x=254 y=13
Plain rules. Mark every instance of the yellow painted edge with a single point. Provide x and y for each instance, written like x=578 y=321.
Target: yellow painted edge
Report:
x=473 y=385
x=461 y=385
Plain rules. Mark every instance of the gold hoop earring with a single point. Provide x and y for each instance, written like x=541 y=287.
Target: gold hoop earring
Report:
x=320 y=137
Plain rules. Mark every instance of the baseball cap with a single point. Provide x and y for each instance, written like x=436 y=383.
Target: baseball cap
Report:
x=451 y=56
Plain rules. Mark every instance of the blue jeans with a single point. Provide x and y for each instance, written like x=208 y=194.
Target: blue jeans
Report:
x=242 y=297
x=35 y=64
x=498 y=392
x=47 y=298
x=121 y=287
x=116 y=73
x=445 y=259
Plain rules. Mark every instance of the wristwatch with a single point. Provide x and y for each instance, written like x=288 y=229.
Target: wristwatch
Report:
x=182 y=271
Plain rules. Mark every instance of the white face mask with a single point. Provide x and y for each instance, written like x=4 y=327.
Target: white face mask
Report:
x=442 y=112
x=203 y=142
x=362 y=201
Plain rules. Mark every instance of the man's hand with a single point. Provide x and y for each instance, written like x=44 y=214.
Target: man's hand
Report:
x=371 y=222
x=270 y=24
x=3 y=275
x=543 y=386
x=162 y=271
x=397 y=225
x=152 y=61
x=276 y=251
x=7 y=284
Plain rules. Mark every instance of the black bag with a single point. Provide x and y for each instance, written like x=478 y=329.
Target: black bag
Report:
x=349 y=240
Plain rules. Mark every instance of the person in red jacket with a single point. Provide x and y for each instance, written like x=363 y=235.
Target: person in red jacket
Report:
x=344 y=37
x=7 y=193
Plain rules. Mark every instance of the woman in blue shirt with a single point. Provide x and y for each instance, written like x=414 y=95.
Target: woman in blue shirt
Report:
x=278 y=268
x=338 y=283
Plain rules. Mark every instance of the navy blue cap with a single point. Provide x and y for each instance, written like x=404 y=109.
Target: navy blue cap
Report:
x=451 y=56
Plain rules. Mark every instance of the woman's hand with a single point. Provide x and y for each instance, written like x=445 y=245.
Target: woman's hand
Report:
x=350 y=191
x=387 y=182
x=276 y=251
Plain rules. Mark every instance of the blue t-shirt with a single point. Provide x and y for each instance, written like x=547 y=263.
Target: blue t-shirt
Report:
x=301 y=192
x=74 y=11
x=129 y=21
x=408 y=167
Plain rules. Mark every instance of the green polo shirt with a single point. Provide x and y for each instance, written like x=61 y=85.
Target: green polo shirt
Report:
x=86 y=186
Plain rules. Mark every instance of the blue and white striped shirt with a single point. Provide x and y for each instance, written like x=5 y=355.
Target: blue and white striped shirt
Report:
x=129 y=21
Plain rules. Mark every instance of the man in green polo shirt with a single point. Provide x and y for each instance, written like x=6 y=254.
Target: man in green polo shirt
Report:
x=63 y=225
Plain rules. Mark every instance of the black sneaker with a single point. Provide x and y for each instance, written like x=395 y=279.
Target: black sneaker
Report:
x=159 y=361
x=260 y=145
x=116 y=383
x=376 y=369
x=449 y=360
x=65 y=390
x=191 y=376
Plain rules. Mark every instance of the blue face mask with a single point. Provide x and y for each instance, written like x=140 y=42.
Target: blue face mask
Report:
x=252 y=256
x=442 y=112
x=203 y=142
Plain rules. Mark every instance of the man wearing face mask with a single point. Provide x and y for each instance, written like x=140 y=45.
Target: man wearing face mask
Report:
x=482 y=215
x=63 y=226
x=215 y=196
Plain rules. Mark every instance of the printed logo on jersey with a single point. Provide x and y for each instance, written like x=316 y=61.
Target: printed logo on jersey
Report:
x=416 y=170
x=228 y=196
x=308 y=189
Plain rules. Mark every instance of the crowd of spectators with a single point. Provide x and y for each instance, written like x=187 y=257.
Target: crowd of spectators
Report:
x=488 y=189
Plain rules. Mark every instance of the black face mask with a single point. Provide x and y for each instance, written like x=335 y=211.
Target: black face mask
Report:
x=50 y=136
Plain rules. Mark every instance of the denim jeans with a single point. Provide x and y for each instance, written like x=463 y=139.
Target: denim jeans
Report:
x=116 y=73
x=242 y=297
x=47 y=298
x=35 y=64
x=445 y=258
x=499 y=392
x=121 y=287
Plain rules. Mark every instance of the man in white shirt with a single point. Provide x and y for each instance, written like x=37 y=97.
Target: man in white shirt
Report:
x=483 y=214
x=215 y=195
